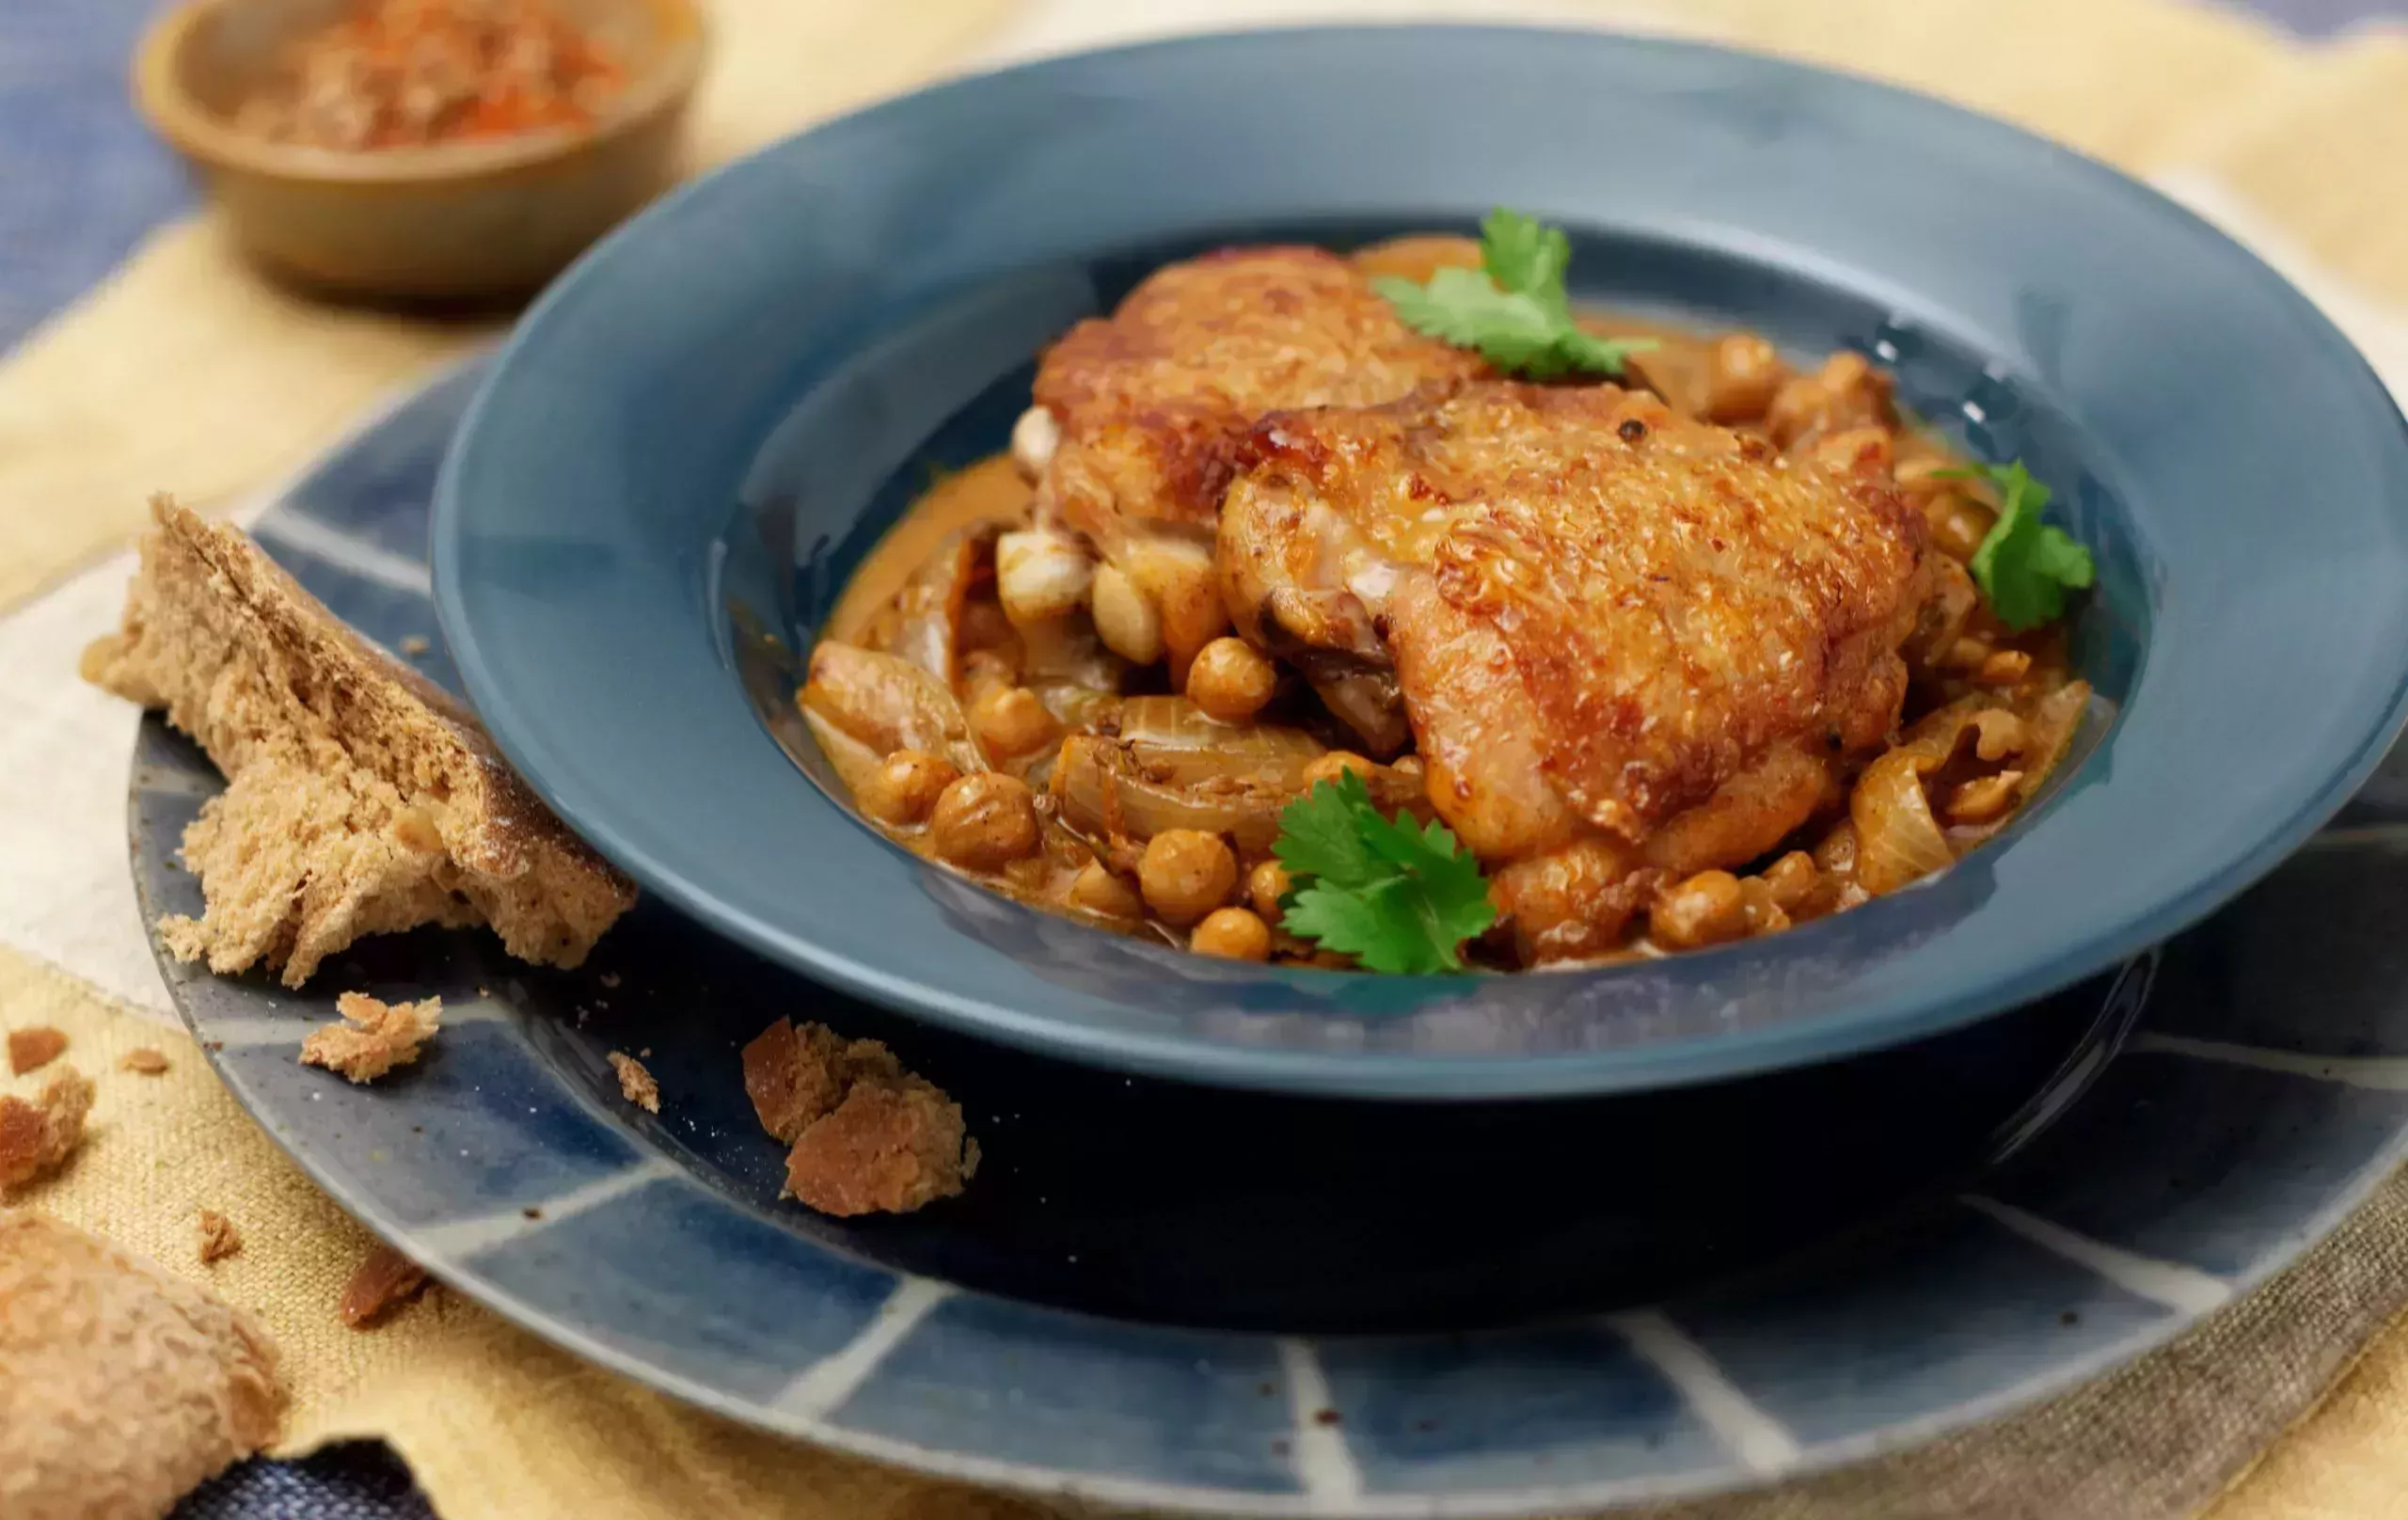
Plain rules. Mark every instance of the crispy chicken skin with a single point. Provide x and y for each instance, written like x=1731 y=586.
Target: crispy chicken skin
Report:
x=1154 y=400
x=1630 y=646
x=1151 y=403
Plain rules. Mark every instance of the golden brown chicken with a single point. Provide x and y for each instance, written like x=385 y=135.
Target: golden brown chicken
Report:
x=1630 y=646
x=1138 y=417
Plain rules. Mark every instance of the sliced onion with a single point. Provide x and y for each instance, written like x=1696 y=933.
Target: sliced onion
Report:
x=1064 y=651
x=887 y=704
x=1897 y=840
x=1108 y=791
x=1941 y=620
x=2049 y=725
x=927 y=629
x=1104 y=791
x=851 y=760
x=1078 y=706
x=1174 y=741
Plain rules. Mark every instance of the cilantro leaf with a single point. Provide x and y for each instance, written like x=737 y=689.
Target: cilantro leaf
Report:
x=1324 y=838
x=1513 y=308
x=2024 y=566
x=1395 y=894
x=1522 y=253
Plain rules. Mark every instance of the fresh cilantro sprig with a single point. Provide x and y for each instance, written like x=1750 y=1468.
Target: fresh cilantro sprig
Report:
x=2024 y=566
x=1512 y=309
x=1396 y=895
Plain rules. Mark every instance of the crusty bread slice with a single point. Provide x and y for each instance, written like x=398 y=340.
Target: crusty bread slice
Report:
x=121 y=1385
x=360 y=798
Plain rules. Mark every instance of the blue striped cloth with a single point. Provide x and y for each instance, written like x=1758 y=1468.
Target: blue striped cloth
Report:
x=81 y=181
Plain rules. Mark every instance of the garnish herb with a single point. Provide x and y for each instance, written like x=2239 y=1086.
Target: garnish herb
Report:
x=1397 y=895
x=2024 y=566
x=1512 y=309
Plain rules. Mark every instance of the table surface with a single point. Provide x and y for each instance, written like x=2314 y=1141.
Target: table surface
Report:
x=81 y=182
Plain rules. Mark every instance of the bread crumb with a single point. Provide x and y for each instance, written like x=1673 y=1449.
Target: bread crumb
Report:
x=38 y=1137
x=889 y=1147
x=866 y=1136
x=219 y=1239
x=635 y=1084
x=145 y=1060
x=378 y=1037
x=796 y=1075
x=414 y=645
x=126 y=1387
x=383 y=1282
x=34 y=1047
x=611 y=978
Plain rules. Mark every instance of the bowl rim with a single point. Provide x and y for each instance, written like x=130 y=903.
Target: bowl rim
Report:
x=665 y=83
x=1898 y=1018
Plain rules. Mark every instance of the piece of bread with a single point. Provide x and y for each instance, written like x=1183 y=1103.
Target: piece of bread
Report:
x=360 y=798
x=121 y=1387
x=371 y=1038
x=36 y=1138
x=867 y=1136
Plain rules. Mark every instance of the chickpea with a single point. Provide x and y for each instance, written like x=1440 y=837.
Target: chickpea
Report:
x=1791 y=879
x=1034 y=437
x=1010 y=720
x=1233 y=934
x=1958 y=524
x=1098 y=890
x=1997 y=734
x=1264 y=886
x=1844 y=452
x=1983 y=798
x=1836 y=854
x=1041 y=575
x=984 y=670
x=1741 y=375
x=1967 y=653
x=1230 y=680
x=905 y=786
x=1760 y=914
x=2002 y=667
x=1707 y=909
x=1919 y=474
x=1846 y=392
x=1126 y=618
x=985 y=822
x=1185 y=874
x=1337 y=762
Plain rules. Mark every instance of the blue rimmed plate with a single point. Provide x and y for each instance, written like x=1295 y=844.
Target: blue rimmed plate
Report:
x=699 y=431
x=1153 y=1292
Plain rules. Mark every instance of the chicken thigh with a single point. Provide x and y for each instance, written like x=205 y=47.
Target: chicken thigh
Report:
x=1630 y=646
x=1138 y=417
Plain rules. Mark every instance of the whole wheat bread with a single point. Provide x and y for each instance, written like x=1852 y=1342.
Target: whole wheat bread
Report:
x=360 y=798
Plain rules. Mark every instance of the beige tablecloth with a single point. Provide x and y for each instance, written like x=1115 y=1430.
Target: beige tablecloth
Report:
x=184 y=373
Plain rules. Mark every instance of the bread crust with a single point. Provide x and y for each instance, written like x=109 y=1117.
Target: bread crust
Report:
x=121 y=1386
x=360 y=798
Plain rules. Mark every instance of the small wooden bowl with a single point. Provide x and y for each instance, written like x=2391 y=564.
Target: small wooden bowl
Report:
x=469 y=220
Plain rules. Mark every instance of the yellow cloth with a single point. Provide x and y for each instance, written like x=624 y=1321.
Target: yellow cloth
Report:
x=493 y=1422
x=184 y=373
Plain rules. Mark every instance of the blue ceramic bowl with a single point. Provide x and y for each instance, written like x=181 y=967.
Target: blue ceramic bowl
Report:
x=696 y=434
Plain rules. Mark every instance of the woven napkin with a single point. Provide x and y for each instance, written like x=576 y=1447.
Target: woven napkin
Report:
x=184 y=373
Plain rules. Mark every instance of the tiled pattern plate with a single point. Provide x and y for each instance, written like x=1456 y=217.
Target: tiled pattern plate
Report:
x=2265 y=1091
